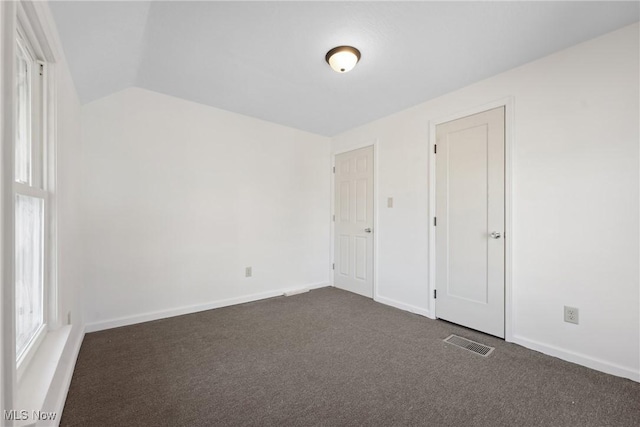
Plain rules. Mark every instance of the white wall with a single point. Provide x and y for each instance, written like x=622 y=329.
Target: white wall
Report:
x=70 y=246
x=575 y=199
x=7 y=108
x=180 y=197
x=68 y=199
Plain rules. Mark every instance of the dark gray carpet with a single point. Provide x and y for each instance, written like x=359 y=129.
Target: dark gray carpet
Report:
x=329 y=357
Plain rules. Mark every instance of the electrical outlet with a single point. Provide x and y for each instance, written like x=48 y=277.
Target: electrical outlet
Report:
x=389 y=202
x=248 y=272
x=571 y=315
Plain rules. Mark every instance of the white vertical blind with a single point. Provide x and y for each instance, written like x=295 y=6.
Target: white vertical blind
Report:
x=23 y=116
x=29 y=271
x=31 y=210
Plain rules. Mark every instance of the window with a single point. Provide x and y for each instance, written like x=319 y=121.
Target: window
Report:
x=31 y=200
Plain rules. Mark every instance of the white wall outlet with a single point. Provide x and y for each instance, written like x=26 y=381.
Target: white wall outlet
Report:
x=248 y=272
x=389 y=202
x=571 y=315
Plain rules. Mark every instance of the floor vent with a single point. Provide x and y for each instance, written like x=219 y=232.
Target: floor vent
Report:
x=472 y=346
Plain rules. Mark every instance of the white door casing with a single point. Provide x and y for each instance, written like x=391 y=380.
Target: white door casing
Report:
x=470 y=212
x=353 y=253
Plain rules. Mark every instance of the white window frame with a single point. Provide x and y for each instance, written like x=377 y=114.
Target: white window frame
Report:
x=44 y=160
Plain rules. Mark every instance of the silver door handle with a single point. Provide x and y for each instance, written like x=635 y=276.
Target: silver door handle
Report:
x=367 y=230
x=494 y=235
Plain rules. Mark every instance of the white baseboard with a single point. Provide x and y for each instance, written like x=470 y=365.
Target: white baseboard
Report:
x=179 y=311
x=578 y=358
x=402 y=306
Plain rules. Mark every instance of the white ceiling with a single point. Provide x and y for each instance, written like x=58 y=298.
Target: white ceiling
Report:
x=266 y=59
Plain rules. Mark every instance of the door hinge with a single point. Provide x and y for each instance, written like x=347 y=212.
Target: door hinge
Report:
x=41 y=69
x=334 y=169
x=435 y=293
x=435 y=148
x=333 y=266
x=435 y=221
x=334 y=218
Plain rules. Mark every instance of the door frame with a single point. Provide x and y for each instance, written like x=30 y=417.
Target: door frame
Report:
x=508 y=104
x=356 y=146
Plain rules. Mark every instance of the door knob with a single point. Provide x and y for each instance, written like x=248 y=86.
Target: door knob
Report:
x=367 y=230
x=495 y=235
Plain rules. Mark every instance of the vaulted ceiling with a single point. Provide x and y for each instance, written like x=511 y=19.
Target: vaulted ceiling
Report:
x=266 y=59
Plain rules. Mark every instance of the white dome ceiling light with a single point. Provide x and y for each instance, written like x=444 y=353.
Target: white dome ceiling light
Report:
x=343 y=58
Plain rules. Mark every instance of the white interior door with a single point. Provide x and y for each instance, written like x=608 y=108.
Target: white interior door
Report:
x=353 y=269
x=470 y=221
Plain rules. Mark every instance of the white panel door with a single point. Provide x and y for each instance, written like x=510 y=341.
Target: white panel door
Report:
x=353 y=270
x=470 y=221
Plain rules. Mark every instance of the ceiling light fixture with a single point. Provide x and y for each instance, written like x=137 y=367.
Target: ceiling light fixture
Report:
x=343 y=58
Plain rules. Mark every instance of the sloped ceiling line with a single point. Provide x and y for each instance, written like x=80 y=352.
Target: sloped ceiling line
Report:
x=266 y=59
